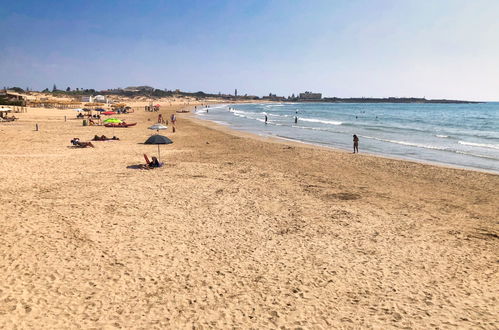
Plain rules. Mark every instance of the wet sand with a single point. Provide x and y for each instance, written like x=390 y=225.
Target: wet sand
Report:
x=236 y=231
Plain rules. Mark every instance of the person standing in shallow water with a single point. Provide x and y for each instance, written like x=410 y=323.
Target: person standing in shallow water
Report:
x=355 y=144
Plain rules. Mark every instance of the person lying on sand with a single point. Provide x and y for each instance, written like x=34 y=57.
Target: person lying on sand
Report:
x=100 y=138
x=104 y=138
x=77 y=143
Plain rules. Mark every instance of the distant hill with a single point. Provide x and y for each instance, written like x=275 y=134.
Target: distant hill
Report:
x=387 y=100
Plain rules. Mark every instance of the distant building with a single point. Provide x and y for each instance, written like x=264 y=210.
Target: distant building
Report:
x=100 y=99
x=97 y=98
x=273 y=97
x=235 y=93
x=310 y=96
x=135 y=89
x=130 y=89
x=13 y=96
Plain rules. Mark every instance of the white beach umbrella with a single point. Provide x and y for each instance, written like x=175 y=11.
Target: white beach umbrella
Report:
x=158 y=127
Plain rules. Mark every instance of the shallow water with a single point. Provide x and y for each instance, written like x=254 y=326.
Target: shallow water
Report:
x=462 y=135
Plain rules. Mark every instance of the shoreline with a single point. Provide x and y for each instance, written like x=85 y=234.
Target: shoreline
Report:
x=227 y=127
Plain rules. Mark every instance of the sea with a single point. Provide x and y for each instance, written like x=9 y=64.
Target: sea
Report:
x=460 y=135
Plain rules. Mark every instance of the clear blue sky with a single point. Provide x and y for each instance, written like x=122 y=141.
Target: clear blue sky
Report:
x=436 y=49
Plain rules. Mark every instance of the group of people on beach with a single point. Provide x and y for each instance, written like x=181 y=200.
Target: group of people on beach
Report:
x=164 y=121
x=355 y=137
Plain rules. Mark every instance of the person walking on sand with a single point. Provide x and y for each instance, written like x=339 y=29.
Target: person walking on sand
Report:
x=355 y=144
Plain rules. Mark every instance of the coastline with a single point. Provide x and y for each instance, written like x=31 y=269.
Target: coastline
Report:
x=236 y=230
x=231 y=130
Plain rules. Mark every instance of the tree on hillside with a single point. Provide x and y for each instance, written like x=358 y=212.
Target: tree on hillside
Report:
x=68 y=89
x=46 y=90
x=54 y=88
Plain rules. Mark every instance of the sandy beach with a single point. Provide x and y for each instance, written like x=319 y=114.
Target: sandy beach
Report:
x=236 y=231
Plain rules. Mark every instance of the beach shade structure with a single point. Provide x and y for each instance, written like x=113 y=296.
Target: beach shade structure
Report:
x=158 y=127
x=112 y=121
x=108 y=113
x=158 y=139
x=100 y=110
x=79 y=110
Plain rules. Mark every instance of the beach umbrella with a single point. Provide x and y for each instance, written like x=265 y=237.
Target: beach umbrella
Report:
x=108 y=113
x=158 y=127
x=79 y=110
x=112 y=121
x=100 y=110
x=158 y=139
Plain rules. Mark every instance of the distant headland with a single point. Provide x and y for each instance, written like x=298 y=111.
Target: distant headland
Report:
x=155 y=93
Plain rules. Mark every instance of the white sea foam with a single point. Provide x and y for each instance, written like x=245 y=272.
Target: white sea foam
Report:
x=221 y=122
x=442 y=136
x=322 y=121
x=411 y=144
x=482 y=145
x=476 y=155
x=276 y=115
x=221 y=106
x=425 y=146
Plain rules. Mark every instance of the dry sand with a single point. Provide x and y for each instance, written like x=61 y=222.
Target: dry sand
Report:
x=237 y=232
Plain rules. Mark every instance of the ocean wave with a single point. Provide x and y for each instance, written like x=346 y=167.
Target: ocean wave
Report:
x=411 y=144
x=241 y=113
x=482 y=145
x=214 y=107
x=441 y=136
x=322 y=121
x=310 y=128
x=276 y=115
x=432 y=147
x=221 y=122
x=476 y=155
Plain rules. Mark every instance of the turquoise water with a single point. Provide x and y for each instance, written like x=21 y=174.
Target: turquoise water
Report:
x=462 y=135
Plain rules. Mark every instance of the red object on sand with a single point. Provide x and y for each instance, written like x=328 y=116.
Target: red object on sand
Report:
x=109 y=113
x=120 y=125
